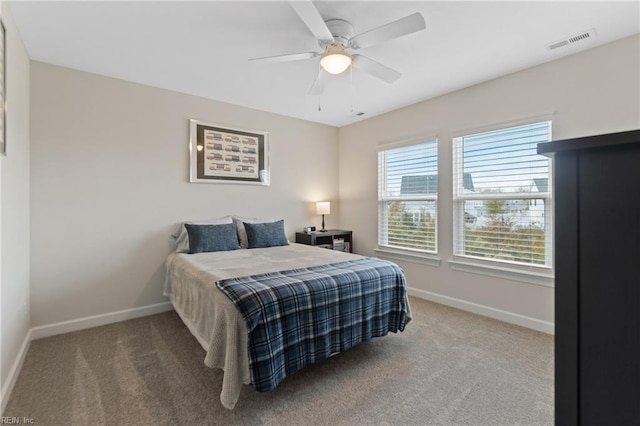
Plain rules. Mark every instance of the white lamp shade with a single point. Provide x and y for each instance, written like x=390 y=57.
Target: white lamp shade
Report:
x=335 y=63
x=323 y=207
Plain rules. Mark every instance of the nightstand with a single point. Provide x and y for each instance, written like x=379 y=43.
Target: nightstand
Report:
x=334 y=239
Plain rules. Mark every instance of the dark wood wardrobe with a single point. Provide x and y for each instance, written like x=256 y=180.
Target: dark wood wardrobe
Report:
x=597 y=284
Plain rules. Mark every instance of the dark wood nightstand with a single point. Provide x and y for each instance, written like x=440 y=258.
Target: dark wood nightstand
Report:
x=335 y=239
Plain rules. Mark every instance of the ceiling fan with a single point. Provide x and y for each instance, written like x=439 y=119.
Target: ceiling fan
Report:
x=337 y=41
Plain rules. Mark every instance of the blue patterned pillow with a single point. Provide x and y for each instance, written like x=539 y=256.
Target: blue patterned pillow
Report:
x=268 y=234
x=207 y=238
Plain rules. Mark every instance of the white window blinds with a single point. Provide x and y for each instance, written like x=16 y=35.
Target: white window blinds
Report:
x=502 y=196
x=407 y=197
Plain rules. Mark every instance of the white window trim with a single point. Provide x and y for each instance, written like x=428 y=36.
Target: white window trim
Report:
x=541 y=276
x=408 y=141
x=407 y=255
x=522 y=121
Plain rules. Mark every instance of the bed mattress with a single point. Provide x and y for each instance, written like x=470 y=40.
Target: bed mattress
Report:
x=212 y=318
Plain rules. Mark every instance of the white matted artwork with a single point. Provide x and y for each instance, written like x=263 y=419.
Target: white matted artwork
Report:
x=220 y=154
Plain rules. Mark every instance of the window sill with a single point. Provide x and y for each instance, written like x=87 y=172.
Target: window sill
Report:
x=529 y=277
x=422 y=259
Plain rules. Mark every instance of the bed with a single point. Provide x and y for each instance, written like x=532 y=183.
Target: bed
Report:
x=195 y=285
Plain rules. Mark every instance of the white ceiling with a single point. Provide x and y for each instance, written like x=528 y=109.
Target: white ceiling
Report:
x=201 y=48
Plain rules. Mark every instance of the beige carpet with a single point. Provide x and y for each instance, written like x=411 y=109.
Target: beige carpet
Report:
x=448 y=368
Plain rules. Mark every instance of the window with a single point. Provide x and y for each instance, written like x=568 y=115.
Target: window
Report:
x=502 y=196
x=408 y=197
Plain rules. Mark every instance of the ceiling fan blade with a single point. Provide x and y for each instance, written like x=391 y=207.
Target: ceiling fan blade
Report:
x=286 y=58
x=318 y=84
x=311 y=17
x=376 y=69
x=401 y=27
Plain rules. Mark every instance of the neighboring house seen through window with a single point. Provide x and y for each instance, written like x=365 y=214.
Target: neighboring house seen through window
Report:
x=408 y=197
x=502 y=196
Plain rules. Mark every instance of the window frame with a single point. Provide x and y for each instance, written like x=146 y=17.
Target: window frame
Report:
x=384 y=199
x=534 y=273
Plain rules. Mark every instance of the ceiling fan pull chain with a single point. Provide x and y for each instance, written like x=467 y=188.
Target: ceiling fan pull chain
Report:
x=351 y=87
x=320 y=94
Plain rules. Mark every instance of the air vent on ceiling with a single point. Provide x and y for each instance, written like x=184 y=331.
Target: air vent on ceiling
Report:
x=359 y=113
x=572 y=39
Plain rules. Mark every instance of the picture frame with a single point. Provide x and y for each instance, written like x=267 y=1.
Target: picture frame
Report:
x=3 y=91
x=221 y=154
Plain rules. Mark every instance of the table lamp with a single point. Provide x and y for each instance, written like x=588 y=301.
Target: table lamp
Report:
x=323 y=207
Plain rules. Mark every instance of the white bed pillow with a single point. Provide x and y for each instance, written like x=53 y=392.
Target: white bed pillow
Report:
x=182 y=236
x=242 y=233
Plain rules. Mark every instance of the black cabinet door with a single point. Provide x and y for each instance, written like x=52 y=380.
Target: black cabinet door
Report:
x=609 y=234
x=567 y=310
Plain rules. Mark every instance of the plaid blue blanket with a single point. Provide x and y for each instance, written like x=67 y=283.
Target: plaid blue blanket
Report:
x=298 y=317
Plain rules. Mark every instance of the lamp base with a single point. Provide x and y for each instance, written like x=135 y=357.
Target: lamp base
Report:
x=323 y=230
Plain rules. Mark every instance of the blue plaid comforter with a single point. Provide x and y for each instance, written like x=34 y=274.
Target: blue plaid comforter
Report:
x=298 y=317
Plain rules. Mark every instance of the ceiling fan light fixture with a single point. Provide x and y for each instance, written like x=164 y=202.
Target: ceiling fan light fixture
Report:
x=335 y=62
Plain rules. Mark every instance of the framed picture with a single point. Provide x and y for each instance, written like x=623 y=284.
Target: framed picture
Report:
x=219 y=154
x=3 y=91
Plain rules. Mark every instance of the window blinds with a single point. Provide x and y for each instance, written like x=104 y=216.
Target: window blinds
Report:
x=407 y=197
x=502 y=192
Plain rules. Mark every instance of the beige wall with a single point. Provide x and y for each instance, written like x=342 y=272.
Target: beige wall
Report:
x=14 y=207
x=589 y=93
x=109 y=174
x=109 y=181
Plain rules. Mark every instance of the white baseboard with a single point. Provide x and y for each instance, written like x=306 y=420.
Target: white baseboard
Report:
x=506 y=316
x=98 y=320
x=14 y=372
x=66 y=327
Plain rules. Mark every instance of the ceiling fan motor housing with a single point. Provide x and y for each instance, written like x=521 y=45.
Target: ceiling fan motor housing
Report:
x=342 y=32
